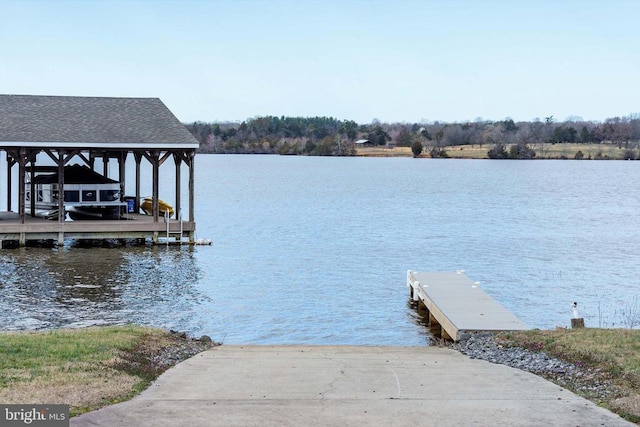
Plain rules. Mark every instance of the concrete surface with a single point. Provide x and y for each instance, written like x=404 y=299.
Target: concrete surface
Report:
x=348 y=386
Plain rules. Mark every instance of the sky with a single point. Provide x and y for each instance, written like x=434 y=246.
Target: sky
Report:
x=391 y=61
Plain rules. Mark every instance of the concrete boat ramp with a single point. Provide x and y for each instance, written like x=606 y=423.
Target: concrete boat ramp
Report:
x=454 y=305
x=348 y=386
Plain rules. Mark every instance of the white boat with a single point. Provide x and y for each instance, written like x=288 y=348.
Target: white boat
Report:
x=87 y=194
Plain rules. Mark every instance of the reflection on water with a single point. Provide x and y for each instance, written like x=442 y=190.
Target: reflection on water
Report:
x=75 y=286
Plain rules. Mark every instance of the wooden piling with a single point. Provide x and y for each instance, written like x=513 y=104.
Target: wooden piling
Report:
x=577 y=323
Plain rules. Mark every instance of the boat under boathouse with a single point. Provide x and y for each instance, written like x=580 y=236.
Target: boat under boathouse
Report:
x=47 y=142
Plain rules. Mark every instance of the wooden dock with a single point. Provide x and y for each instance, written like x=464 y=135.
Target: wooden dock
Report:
x=454 y=305
x=131 y=226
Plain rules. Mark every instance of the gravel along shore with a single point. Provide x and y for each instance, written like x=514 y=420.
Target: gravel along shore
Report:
x=183 y=348
x=590 y=383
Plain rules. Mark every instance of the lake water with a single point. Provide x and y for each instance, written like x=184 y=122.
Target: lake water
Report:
x=311 y=250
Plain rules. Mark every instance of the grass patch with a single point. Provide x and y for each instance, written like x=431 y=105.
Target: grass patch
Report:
x=86 y=368
x=589 y=151
x=384 y=152
x=468 y=151
x=614 y=353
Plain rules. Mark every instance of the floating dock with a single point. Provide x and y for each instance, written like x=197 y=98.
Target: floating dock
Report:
x=454 y=305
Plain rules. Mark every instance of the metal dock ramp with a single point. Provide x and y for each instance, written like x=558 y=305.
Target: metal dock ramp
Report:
x=458 y=305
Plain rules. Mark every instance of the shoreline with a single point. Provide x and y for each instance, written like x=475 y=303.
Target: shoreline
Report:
x=544 y=151
x=147 y=359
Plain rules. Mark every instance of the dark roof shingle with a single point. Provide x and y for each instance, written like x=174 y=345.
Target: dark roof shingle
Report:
x=89 y=120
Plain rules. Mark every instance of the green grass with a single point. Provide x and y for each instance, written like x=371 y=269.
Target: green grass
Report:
x=468 y=151
x=43 y=350
x=384 y=152
x=614 y=352
x=86 y=368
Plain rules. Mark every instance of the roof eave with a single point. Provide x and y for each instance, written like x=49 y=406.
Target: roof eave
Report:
x=100 y=145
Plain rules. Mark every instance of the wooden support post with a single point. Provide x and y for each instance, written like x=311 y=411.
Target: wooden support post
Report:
x=61 y=212
x=138 y=158
x=22 y=159
x=122 y=172
x=577 y=323
x=32 y=191
x=436 y=330
x=10 y=162
x=192 y=167
x=445 y=335
x=423 y=310
x=192 y=157
x=155 y=156
x=178 y=162
x=433 y=320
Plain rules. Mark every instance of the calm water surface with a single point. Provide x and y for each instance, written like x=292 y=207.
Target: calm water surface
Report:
x=315 y=250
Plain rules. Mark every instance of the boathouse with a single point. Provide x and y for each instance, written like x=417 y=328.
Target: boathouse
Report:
x=54 y=132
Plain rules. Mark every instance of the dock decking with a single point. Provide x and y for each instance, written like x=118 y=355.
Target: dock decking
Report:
x=131 y=226
x=455 y=304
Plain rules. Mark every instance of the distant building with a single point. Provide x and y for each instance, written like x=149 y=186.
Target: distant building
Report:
x=364 y=143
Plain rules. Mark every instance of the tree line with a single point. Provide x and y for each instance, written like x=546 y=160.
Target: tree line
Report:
x=327 y=136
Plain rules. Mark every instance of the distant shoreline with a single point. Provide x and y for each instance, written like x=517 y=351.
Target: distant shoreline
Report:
x=558 y=151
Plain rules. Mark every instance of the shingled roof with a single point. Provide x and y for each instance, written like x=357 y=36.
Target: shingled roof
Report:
x=90 y=122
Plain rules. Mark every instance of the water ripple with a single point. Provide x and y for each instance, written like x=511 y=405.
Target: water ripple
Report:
x=315 y=251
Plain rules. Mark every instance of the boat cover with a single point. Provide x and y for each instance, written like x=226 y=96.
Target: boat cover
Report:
x=75 y=174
